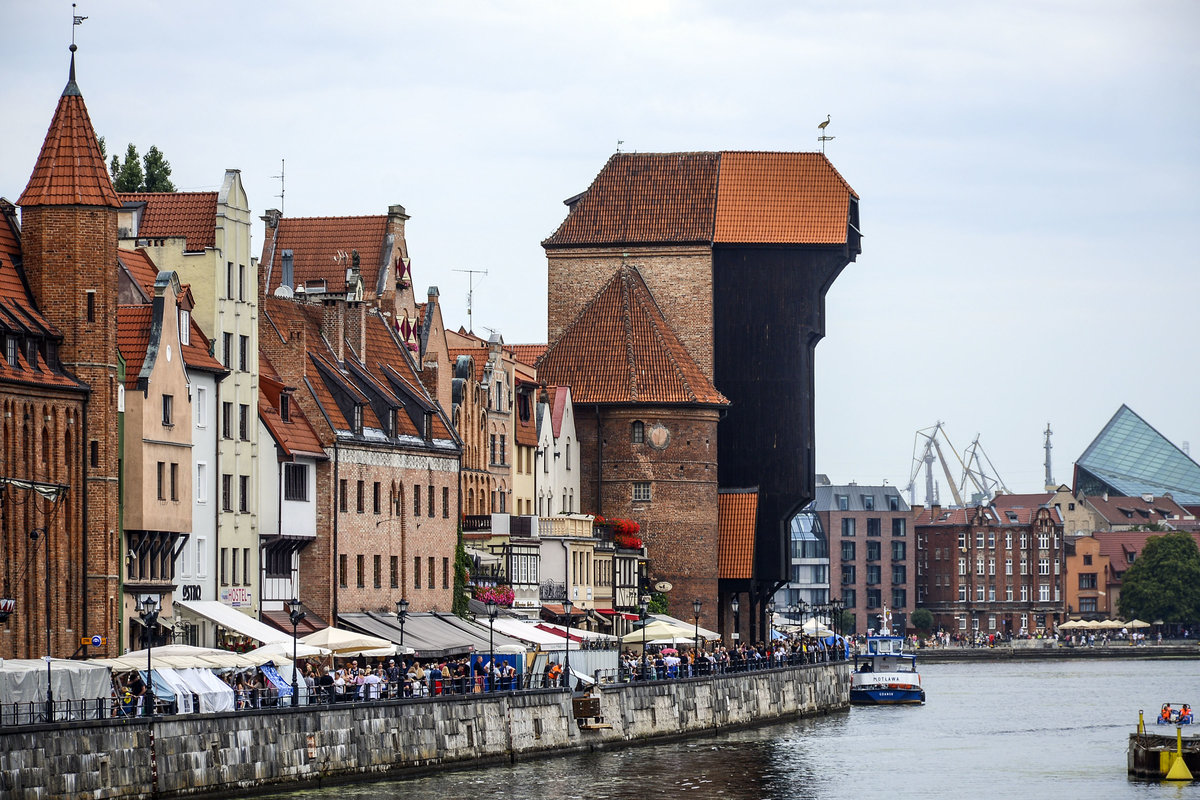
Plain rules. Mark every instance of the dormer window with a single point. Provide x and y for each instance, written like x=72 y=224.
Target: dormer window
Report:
x=10 y=350
x=391 y=422
x=357 y=423
x=428 y=426
x=31 y=353
x=285 y=407
x=868 y=502
x=185 y=326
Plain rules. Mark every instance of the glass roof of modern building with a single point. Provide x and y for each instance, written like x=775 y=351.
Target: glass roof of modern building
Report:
x=1134 y=459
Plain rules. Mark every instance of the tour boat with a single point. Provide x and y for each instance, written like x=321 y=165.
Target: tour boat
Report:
x=885 y=674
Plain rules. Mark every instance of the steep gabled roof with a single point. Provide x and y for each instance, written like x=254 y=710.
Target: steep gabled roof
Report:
x=70 y=169
x=315 y=243
x=730 y=197
x=295 y=436
x=527 y=353
x=620 y=349
x=191 y=215
x=737 y=516
x=133 y=338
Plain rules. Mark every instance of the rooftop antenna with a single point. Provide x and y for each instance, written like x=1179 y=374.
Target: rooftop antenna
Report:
x=823 y=138
x=471 y=273
x=282 y=186
x=619 y=143
x=1049 y=447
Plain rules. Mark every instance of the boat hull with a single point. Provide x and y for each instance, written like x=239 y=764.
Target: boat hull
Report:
x=887 y=696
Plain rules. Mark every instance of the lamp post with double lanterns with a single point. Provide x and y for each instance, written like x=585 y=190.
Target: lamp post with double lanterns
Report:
x=696 y=604
x=492 y=609
x=769 y=608
x=645 y=607
x=296 y=616
x=149 y=617
x=734 y=605
x=568 y=606
x=401 y=615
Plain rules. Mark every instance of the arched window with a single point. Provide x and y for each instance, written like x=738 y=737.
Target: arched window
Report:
x=638 y=434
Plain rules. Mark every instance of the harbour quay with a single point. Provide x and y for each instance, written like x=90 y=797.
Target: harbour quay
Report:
x=247 y=752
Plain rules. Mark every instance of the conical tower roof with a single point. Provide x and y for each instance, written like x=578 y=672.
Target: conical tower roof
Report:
x=70 y=170
x=620 y=349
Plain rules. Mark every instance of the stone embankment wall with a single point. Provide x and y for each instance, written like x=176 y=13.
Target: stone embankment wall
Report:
x=247 y=751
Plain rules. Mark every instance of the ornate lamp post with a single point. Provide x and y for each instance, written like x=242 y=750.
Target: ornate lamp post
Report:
x=149 y=616
x=401 y=615
x=296 y=615
x=769 y=627
x=734 y=605
x=645 y=614
x=696 y=604
x=492 y=609
x=568 y=606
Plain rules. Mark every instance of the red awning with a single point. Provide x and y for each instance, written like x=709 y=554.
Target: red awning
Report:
x=556 y=609
x=558 y=632
x=632 y=617
x=608 y=612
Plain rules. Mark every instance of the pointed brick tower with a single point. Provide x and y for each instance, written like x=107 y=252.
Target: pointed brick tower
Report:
x=69 y=237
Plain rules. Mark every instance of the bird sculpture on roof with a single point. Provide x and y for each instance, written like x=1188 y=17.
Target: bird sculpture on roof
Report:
x=823 y=125
x=824 y=137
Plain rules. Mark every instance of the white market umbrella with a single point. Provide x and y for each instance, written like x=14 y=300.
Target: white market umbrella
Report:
x=350 y=643
x=284 y=650
x=814 y=628
x=659 y=630
x=1137 y=623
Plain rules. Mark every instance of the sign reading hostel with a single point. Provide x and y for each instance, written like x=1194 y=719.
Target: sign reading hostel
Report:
x=238 y=597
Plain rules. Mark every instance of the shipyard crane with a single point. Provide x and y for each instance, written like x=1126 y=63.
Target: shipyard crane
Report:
x=928 y=443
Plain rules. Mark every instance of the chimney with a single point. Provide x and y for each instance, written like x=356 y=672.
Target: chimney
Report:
x=356 y=329
x=271 y=218
x=333 y=326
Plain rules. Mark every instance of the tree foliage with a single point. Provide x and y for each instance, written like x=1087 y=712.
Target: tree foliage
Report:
x=462 y=564
x=922 y=620
x=1164 y=581
x=148 y=173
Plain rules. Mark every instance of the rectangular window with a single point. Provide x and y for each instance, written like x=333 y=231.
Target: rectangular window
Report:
x=848 y=574
x=416 y=500
x=991 y=594
x=1044 y=593
x=899 y=598
x=168 y=410
x=342 y=495
x=1043 y=566
x=224 y=566
x=873 y=551
x=359 y=577
x=504 y=451
x=227 y=420
x=185 y=326
x=849 y=598
x=227 y=350
x=979 y=565
x=874 y=575
x=1087 y=604
x=1024 y=593
x=445 y=573
x=174 y=481
x=446 y=502
x=237 y=573
x=873 y=526
x=377 y=498
x=843 y=502
x=162 y=480
x=899 y=551
x=244 y=494
x=244 y=353
x=991 y=540
x=244 y=422
x=285 y=407
x=1087 y=580
x=899 y=526
x=229 y=280
x=342 y=564
x=868 y=501
x=991 y=566
x=1008 y=566
x=430 y=496
x=295 y=482
x=241 y=281
x=201 y=407
x=227 y=492
x=359 y=496
x=1024 y=565
x=1008 y=593
x=979 y=539
x=91 y=305
x=847 y=551
x=416 y=572
x=377 y=571
x=847 y=526
x=962 y=593
x=1043 y=541
x=893 y=502
x=394 y=571
x=962 y=566
x=430 y=583
x=492 y=450
x=641 y=491
x=899 y=574
x=200 y=491
x=979 y=593
x=874 y=598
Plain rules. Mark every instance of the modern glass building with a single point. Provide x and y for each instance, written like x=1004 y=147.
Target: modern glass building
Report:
x=1130 y=458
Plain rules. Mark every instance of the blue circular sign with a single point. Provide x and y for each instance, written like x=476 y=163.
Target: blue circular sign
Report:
x=96 y=640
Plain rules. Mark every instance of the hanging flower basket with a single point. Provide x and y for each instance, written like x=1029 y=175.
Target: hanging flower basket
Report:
x=500 y=595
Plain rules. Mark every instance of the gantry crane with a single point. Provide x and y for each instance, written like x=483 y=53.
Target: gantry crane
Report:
x=927 y=443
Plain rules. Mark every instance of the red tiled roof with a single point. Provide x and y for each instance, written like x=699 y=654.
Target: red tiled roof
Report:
x=11 y=285
x=386 y=362
x=527 y=353
x=192 y=215
x=1117 y=545
x=196 y=352
x=1035 y=500
x=734 y=197
x=295 y=436
x=737 y=516
x=133 y=338
x=781 y=198
x=140 y=267
x=558 y=407
x=70 y=169
x=620 y=349
x=1135 y=510
x=315 y=242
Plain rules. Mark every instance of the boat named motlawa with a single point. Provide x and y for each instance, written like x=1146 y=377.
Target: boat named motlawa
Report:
x=885 y=674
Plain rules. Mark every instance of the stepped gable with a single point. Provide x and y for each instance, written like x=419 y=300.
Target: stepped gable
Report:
x=621 y=350
x=644 y=198
x=70 y=170
x=781 y=198
x=170 y=215
x=737 y=516
x=315 y=242
x=730 y=197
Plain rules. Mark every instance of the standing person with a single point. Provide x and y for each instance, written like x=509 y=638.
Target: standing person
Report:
x=480 y=673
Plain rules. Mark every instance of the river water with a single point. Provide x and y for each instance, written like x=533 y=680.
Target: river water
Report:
x=988 y=730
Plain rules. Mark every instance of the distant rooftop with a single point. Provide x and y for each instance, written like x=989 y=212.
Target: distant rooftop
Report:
x=1131 y=458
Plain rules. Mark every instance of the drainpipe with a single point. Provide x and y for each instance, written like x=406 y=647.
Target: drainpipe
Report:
x=336 y=490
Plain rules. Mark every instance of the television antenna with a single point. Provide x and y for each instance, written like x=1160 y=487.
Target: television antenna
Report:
x=282 y=187
x=471 y=273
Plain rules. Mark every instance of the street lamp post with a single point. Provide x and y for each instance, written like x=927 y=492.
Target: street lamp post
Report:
x=568 y=606
x=149 y=615
x=767 y=629
x=696 y=604
x=734 y=605
x=492 y=608
x=296 y=616
x=645 y=615
x=401 y=615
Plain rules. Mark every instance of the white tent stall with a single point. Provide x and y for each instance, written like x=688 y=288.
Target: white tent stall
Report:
x=86 y=685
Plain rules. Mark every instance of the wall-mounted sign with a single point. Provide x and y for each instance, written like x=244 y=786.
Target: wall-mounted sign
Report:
x=192 y=591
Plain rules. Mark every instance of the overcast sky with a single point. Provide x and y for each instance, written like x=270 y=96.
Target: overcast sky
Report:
x=1029 y=172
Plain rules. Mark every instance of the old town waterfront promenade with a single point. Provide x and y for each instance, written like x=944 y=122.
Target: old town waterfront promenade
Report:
x=248 y=751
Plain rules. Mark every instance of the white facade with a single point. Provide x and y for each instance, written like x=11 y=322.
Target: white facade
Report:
x=556 y=469
x=286 y=512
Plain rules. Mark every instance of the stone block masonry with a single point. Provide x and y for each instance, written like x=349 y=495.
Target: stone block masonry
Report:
x=250 y=751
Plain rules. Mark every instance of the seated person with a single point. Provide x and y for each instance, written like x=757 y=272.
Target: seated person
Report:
x=1164 y=716
x=1185 y=715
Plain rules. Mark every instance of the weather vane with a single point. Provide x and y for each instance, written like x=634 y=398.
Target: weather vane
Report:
x=76 y=20
x=823 y=138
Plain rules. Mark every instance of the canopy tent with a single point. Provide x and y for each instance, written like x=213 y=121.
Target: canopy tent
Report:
x=167 y=683
x=23 y=681
x=429 y=634
x=528 y=632
x=184 y=656
x=213 y=693
x=234 y=620
x=577 y=633
x=343 y=642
